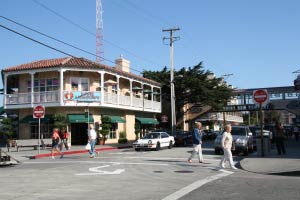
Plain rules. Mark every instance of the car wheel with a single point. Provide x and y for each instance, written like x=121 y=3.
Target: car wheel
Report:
x=170 y=145
x=137 y=149
x=157 y=146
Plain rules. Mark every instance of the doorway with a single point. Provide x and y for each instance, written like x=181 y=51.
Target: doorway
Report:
x=79 y=134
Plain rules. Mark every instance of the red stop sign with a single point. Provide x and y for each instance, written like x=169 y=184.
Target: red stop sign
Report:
x=39 y=112
x=260 y=96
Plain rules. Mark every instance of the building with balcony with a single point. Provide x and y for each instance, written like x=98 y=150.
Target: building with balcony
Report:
x=73 y=86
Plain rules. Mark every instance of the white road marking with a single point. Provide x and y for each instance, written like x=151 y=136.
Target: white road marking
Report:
x=98 y=171
x=196 y=185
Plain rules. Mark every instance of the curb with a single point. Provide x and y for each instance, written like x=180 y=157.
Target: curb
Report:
x=77 y=152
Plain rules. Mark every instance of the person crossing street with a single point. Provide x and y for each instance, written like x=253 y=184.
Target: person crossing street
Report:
x=197 y=141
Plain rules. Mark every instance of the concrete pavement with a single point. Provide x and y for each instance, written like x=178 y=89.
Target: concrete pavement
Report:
x=27 y=153
x=288 y=164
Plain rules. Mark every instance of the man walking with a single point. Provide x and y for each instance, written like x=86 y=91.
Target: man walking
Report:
x=197 y=141
x=92 y=135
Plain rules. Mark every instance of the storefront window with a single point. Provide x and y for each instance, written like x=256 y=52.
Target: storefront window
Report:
x=45 y=130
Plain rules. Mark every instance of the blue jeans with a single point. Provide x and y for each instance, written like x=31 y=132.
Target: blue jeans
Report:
x=92 y=143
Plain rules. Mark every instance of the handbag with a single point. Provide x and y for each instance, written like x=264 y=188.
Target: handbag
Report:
x=88 y=146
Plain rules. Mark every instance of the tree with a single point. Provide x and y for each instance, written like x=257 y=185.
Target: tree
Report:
x=137 y=130
x=8 y=128
x=192 y=85
x=271 y=116
x=105 y=128
x=60 y=121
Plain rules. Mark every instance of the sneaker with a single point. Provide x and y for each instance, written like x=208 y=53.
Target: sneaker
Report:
x=52 y=157
x=234 y=168
x=222 y=167
x=189 y=161
x=62 y=155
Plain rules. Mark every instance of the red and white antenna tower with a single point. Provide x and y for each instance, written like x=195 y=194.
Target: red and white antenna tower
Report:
x=99 y=33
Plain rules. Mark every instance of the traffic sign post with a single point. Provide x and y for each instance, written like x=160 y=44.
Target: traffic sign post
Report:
x=39 y=112
x=261 y=97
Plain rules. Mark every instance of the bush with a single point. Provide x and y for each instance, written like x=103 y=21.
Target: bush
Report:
x=122 y=140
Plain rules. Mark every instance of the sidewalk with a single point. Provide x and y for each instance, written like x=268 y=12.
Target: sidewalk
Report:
x=288 y=164
x=29 y=153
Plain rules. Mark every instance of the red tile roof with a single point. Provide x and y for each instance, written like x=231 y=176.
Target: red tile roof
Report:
x=76 y=63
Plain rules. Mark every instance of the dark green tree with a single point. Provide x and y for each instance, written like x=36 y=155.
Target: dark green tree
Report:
x=8 y=128
x=192 y=85
x=60 y=121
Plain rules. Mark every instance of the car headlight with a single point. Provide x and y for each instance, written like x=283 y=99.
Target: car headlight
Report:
x=150 y=142
x=241 y=141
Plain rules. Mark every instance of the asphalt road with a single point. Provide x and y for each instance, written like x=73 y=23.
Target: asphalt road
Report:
x=127 y=174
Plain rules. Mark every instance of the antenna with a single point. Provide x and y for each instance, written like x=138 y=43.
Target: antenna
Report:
x=99 y=33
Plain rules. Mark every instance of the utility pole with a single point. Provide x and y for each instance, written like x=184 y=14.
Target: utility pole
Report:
x=172 y=40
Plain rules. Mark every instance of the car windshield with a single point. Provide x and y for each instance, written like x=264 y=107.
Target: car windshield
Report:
x=151 y=136
x=238 y=131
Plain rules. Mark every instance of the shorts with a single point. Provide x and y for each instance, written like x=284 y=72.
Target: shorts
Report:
x=55 y=143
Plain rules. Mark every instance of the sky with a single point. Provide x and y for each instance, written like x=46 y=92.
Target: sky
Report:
x=254 y=43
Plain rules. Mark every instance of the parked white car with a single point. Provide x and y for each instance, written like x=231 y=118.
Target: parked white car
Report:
x=154 y=140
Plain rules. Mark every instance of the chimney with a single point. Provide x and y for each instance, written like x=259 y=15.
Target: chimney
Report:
x=122 y=64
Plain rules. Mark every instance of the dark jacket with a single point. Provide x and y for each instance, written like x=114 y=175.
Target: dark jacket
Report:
x=197 y=136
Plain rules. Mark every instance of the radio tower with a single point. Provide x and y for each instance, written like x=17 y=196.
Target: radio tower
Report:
x=99 y=33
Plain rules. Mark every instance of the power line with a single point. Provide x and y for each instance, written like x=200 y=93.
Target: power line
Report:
x=41 y=43
x=70 y=45
x=93 y=34
x=48 y=36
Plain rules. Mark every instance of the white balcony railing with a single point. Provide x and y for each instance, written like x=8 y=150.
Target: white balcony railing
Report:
x=25 y=98
x=72 y=96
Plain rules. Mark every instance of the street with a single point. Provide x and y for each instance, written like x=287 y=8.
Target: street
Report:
x=127 y=174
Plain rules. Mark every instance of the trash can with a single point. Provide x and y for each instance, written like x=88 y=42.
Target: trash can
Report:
x=266 y=144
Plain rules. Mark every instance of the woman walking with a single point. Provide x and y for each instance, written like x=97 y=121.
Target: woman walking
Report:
x=55 y=143
x=226 y=143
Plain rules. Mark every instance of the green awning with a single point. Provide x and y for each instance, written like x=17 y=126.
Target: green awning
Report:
x=80 y=119
x=30 y=120
x=147 y=91
x=116 y=119
x=1 y=109
x=144 y=120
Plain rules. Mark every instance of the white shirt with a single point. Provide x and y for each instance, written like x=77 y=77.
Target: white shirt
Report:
x=226 y=140
x=92 y=134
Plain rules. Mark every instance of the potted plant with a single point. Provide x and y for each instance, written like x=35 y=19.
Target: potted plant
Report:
x=122 y=138
x=104 y=131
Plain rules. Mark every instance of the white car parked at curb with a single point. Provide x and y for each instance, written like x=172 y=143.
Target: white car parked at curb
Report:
x=154 y=140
